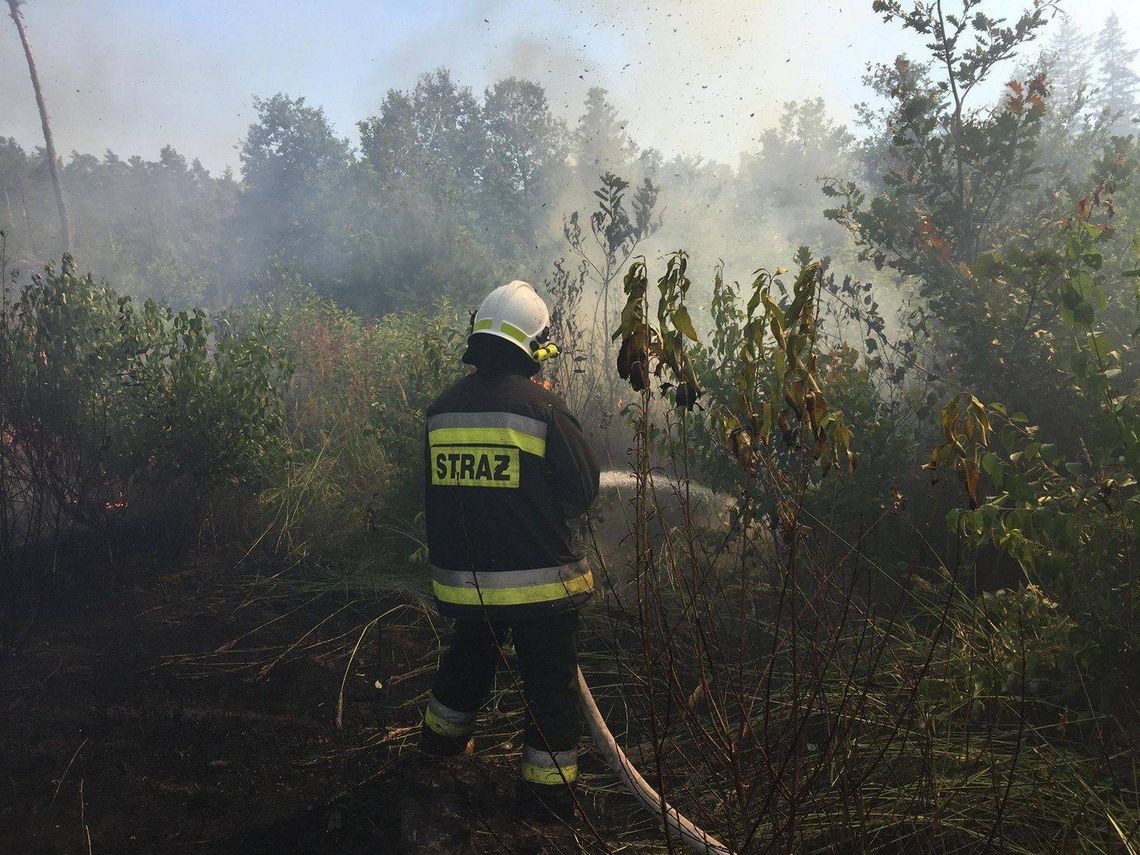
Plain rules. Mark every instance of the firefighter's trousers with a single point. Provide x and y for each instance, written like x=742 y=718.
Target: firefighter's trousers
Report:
x=546 y=655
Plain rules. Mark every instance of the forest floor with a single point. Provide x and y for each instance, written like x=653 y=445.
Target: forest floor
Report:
x=197 y=711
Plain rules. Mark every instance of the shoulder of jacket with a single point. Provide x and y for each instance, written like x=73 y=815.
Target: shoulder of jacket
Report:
x=515 y=394
x=545 y=397
x=447 y=399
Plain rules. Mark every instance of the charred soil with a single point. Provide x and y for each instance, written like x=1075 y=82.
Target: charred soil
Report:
x=197 y=710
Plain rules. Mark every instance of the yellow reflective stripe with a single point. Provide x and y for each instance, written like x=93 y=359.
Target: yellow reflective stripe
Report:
x=549 y=775
x=514 y=332
x=505 y=328
x=488 y=436
x=444 y=727
x=467 y=595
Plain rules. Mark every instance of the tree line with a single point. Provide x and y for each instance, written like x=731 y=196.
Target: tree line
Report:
x=445 y=190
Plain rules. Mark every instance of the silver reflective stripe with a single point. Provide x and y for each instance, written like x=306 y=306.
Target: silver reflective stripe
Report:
x=448 y=722
x=494 y=579
x=448 y=714
x=550 y=760
x=510 y=421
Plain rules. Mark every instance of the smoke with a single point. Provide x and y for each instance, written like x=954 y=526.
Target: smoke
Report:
x=131 y=83
x=701 y=78
x=702 y=84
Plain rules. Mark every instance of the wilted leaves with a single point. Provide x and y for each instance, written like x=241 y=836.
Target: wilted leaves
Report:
x=633 y=358
x=767 y=348
x=659 y=350
x=966 y=429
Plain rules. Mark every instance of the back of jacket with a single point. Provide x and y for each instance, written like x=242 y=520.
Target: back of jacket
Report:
x=507 y=465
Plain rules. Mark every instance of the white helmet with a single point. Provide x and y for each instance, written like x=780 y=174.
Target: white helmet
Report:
x=515 y=312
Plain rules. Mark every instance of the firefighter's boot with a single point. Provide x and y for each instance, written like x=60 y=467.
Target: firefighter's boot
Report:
x=546 y=787
x=545 y=803
x=438 y=747
x=446 y=732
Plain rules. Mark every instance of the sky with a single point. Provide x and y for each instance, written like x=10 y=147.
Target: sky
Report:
x=703 y=77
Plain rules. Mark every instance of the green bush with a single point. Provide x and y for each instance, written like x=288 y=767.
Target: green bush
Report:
x=114 y=410
x=351 y=490
x=296 y=418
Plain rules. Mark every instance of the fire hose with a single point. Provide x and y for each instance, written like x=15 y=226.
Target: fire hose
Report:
x=693 y=837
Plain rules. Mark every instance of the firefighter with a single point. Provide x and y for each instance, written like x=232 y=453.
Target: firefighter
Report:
x=507 y=467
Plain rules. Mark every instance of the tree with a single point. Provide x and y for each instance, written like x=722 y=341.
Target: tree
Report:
x=947 y=169
x=431 y=136
x=525 y=155
x=1067 y=63
x=601 y=143
x=423 y=232
x=1117 y=82
x=295 y=187
x=524 y=141
x=16 y=219
x=1074 y=130
x=958 y=189
x=778 y=186
x=952 y=166
x=49 y=142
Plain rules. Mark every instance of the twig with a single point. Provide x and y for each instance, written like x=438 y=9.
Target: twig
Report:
x=83 y=818
x=63 y=777
x=348 y=667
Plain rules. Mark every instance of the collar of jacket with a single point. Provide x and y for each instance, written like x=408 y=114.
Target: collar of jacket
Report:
x=493 y=355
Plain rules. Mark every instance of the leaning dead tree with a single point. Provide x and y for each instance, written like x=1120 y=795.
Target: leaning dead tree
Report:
x=49 y=143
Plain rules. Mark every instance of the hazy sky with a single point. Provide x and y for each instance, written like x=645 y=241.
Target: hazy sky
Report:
x=701 y=77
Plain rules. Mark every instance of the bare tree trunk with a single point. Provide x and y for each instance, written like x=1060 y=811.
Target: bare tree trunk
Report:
x=49 y=143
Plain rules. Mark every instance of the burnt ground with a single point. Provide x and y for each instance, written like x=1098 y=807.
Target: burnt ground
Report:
x=196 y=711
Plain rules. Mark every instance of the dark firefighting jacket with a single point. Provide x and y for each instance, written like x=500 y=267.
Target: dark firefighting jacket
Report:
x=507 y=466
